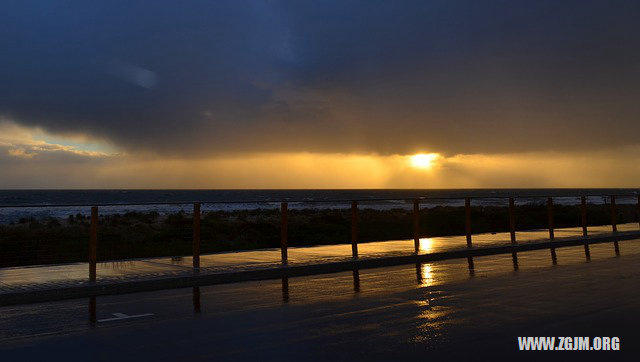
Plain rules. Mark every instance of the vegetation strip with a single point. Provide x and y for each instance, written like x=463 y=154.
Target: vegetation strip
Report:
x=31 y=241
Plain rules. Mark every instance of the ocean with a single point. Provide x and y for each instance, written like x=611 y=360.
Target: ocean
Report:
x=17 y=204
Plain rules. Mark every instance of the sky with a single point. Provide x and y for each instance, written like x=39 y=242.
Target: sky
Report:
x=319 y=94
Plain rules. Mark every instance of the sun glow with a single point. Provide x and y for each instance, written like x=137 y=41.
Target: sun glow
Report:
x=424 y=160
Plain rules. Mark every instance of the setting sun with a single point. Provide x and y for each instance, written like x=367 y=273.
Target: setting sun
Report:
x=423 y=160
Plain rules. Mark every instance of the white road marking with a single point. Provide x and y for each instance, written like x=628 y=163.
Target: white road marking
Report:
x=121 y=316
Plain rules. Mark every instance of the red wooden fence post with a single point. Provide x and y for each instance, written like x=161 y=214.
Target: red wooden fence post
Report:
x=614 y=214
x=93 y=243
x=550 y=217
x=638 y=210
x=512 y=220
x=583 y=209
x=283 y=232
x=354 y=229
x=416 y=224
x=512 y=230
x=467 y=222
x=196 y=236
x=554 y=258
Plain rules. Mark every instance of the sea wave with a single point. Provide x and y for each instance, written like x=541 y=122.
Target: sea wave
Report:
x=16 y=213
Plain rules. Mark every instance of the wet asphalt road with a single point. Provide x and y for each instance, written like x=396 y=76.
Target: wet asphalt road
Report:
x=438 y=310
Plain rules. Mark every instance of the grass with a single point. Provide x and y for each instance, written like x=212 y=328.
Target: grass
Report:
x=135 y=234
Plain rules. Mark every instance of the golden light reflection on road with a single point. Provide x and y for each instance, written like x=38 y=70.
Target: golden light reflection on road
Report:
x=424 y=270
x=426 y=245
x=427 y=275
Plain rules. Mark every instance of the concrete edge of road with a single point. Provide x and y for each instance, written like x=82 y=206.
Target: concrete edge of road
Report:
x=160 y=283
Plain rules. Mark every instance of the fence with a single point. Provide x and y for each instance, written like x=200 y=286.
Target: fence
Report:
x=93 y=237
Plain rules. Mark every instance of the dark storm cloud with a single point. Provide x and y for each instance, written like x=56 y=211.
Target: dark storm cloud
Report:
x=326 y=76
